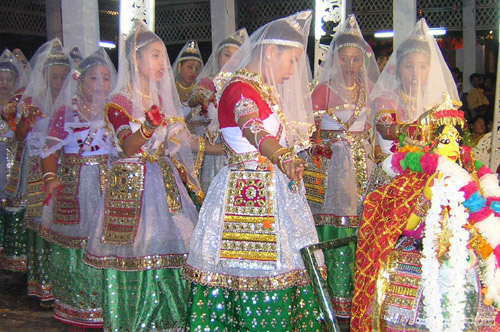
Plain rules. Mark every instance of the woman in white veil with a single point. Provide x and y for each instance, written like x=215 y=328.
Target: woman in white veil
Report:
x=12 y=234
x=415 y=79
x=143 y=231
x=187 y=66
x=339 y=161
x=74 y=164
x=203 y=116
x=50 y=67
x=244 y=262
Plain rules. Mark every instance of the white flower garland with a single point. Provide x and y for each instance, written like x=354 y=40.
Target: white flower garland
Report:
x=445 y=193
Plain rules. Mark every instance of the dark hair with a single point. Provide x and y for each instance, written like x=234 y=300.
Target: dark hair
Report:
x=410 y=46
x=138 y=42
x=474 y=120
x=472 y=76
x=90 y=62
x=228 y=42
x=460 y=130
x=282 y=30
x=8 y=66
x=279 y=30
x=349 y=40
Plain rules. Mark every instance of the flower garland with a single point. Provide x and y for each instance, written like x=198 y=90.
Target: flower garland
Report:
x=471 y=207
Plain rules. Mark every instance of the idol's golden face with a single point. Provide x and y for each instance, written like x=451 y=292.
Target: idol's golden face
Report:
x=449 y=143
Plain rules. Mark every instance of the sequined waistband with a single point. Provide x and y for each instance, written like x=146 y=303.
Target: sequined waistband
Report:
x=235 y=159
x=75 y=159
x=338 y=135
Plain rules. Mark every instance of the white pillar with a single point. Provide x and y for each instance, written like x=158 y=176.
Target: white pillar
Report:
x=136 y=9
x=469 y=35
x=53 y=19
x=223 y=20
x=404 y=15
x=80 y=20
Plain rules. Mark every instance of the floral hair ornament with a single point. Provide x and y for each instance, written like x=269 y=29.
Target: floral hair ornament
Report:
x=77 y=75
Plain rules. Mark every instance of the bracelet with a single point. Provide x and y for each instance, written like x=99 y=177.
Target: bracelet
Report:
x=285 y=158
x=149 y=124
x=49 y=178
x=124 y=137
x=48 y=173
x=144 y=133
x=259 y=144
x=277 y=152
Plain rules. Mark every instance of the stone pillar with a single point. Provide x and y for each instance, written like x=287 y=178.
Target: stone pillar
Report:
x=223 y=19
x=404 y=16
x=53 y=19
x=469 y=35
x=80 y=20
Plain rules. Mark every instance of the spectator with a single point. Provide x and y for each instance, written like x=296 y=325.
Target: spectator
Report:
x=476 y=100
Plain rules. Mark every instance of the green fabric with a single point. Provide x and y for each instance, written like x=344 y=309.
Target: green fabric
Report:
x=217 y=309
x=14 y=240
x=192 y=195
x=75 y=283
x=339 y=262
x=38 y=256
x=144 y=300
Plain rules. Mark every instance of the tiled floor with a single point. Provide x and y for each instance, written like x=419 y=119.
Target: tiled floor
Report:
x=20 y=313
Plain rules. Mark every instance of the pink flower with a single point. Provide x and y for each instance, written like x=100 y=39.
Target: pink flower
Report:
x=483 y=171
x=429 y=162
x=396 y=161
x=469 y=189
x=480 y=215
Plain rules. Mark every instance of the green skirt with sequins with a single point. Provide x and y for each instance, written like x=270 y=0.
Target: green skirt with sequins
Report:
x=218 y=309
x=340 y=264
x=13 y=256
x=38 y=255
x=147 y=300
x=77 y=288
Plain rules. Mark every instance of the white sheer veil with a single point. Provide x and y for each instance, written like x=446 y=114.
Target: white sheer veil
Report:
x=411 y=101
x=293 y=95
x=331 y=72
x=72 y=99
x=190 y=51
x=147 y=81
x=43 y=88
x=9 y=63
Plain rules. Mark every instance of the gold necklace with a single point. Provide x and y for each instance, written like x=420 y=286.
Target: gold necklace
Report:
x=84 y=110
x=350 y=88
x=408 y=100
x=143 y=95
x=183 y=88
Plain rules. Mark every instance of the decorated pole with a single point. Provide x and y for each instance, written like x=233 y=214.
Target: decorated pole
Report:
x=495 y=137
x=329 y=16
x=136 y=9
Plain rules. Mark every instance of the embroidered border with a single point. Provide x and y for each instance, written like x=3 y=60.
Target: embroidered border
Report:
x=123 y=203
x=249 y=229
x=151 y=262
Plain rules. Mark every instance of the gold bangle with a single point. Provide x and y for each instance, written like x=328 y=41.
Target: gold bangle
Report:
x=287 y=156
x=275 y=153
x=48 y=173
x=48 y=179
x=144 y=133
